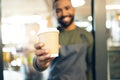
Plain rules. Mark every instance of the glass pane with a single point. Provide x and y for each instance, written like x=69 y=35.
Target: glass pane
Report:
x=21 y=21
x=113 y=37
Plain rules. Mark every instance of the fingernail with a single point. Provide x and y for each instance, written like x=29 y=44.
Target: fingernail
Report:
x=48 y=55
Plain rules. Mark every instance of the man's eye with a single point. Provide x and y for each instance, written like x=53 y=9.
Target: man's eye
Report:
x=67 y=8
x=58 y=10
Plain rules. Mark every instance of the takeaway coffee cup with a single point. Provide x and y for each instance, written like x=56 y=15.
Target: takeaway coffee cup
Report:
x=49 y=37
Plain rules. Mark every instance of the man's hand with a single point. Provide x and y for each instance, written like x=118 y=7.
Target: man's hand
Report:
x=43 y=56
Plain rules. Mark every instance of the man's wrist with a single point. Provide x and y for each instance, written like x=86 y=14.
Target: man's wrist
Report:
x=36 y=65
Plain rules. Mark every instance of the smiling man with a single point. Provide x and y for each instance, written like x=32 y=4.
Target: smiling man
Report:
x=75 y=54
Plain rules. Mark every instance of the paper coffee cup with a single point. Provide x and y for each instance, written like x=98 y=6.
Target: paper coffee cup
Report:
x=50 y=37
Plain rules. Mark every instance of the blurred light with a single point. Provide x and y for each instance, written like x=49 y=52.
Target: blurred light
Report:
x=43 y=24
x=89 y=18
x=19 y=19
x=14 y=63
x=82 y=24
x=110 y=7
x=9 y=49
x=108 y=24
x=89 y=28
x=14 y=26
x=10 y=33
x=77 y=3
x=19 y=63
x=32 y=32
x=119 y=17
x=115 y=31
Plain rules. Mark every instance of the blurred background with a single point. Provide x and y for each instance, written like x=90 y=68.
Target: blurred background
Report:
x=21 y=20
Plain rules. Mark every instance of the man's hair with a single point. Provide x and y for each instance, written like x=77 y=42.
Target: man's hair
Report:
x=54 y=1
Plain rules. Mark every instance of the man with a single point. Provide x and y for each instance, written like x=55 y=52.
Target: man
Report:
x=75 y=53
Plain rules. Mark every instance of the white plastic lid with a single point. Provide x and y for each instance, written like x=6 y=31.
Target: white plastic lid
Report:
x=48 y=30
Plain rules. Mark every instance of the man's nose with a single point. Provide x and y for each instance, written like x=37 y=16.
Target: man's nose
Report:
x=64 y=13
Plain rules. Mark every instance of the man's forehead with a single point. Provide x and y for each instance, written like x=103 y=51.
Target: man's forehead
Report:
x=62 y=1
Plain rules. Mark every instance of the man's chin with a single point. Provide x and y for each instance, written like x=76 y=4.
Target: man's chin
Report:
x=65 y=24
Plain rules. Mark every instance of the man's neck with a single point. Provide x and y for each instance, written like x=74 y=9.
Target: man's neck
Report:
x=70 y=27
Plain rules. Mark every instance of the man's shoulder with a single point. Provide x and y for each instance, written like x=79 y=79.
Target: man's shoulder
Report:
x=83 y=30
x=86 y=33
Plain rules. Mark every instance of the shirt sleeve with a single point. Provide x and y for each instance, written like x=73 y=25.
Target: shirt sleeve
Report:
x=35 y=65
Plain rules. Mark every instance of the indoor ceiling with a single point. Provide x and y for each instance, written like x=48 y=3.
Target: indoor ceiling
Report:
x=41 y=7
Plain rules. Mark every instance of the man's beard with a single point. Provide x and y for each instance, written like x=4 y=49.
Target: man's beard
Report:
x=65 y=24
